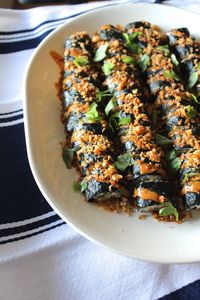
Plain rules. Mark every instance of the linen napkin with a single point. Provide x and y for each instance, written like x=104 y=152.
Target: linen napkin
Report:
x=40 y=255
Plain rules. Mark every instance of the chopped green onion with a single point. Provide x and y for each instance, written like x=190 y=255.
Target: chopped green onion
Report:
x=107 y=68
x=169 y=209
x=192 y=80
x=101 y=53
x=162 y=140
x=143 y=62
x=124 y=161
x=80 y=61
x=174 y=60
x=127 y=59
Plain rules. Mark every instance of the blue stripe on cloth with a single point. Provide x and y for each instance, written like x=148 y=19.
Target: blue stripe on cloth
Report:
x=8 y=118
x=27 y=227
x=11 y=112
x=52 y=22
x=60 y=19
x=31 y=234
x=41 y=24
x=25 y=44
x=190 y=291
x=17 y=46
x=20 y=197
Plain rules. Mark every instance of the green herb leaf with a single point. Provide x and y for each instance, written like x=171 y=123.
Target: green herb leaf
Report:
x=198 y=66
x=130 y=42
x=174 y=60
x=112 y=123
x=134 y=35
x=154 y=117
x=76 y=187
x=191 y=112
x=92 y=115
x=127 y=59
x=174 y=162
x=80 y=61
x=127 y=38
x=133 y=47
x=162 y=140
x=68 y=156
x=83 y=186
x=79 y=186
x=131 y=37
x=174 y=165
x=101 y=53
x=111 y=104
x=124 y=121
x=124 y=161
x=165 y=49
x=192 y=80
x=107 y=68
x=100 y=95
x=187 y=176
x=116 y=114
x=121 y=120
x=143 y=62
x=169 y=209
x=195 y=99
x=171 y=155
x=171 y=74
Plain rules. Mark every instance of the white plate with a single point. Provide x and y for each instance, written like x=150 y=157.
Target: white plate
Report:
x=149 y=239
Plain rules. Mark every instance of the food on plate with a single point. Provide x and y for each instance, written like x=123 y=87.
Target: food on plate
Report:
x=145 y=174
x=89 y=139
x=130 y=98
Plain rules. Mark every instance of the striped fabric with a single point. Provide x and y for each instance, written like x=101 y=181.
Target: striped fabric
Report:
x=32 y=237
x=24 y=212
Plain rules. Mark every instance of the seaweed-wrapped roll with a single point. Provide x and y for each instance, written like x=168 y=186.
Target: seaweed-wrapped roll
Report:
x=187 y=51
x=179 y=121
x=87 y=132
x=140 y=159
